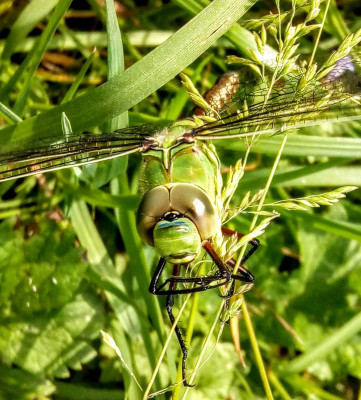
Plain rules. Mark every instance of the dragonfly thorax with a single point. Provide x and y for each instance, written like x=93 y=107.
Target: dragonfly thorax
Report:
x=175 y=219
x=174 y=134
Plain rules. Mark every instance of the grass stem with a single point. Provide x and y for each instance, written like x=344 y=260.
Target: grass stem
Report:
x=319 y=34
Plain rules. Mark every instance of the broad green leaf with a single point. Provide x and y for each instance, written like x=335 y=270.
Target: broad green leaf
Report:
x=18 y=384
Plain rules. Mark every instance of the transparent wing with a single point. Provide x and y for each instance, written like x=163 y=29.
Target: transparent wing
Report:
x=255 y=109
x=49 y=155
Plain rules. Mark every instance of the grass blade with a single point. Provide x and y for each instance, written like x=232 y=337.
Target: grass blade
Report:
x=138 y=81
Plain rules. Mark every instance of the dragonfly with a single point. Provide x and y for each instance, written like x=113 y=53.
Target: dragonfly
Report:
x=178 y=215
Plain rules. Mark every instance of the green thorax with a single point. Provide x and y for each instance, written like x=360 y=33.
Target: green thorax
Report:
x=184 y=163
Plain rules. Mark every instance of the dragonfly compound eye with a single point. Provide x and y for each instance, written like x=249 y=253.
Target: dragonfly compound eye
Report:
x=193 y=202
x=194 y=219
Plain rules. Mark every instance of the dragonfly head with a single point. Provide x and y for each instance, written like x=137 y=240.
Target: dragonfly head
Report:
x=176 y=219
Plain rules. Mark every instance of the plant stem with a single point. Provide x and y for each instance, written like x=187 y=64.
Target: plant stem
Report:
x=247 y=318
x=325 y=347
x=319 y=34
x=204 y=346
x=256 y=351
x=279 y=387
x=262 y=200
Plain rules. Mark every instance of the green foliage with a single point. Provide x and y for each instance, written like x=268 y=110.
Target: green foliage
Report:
x=44 y=269
x=58 y=294
x=49 y=314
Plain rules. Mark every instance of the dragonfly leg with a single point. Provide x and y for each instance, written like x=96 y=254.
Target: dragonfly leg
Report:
x=155 y=278
x=241 y=269
x=205 y=282
x=244 y=274
x=169 y=305
x=235 y=277
x=202 y=282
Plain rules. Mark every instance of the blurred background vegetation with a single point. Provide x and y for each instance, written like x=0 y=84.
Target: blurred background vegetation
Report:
x=71 y=263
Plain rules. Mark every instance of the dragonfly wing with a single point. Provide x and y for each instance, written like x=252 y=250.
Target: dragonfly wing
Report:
x=256 y=110
x=48 y=155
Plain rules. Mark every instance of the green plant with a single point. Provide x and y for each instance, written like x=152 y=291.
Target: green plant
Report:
x=56 y=297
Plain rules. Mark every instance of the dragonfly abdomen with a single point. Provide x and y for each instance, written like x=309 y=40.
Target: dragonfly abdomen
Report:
x=221 y=93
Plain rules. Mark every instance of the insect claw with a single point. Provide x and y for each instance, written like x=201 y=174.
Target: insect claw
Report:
x=225 y=296
x=225 y=322
x=186 y=384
